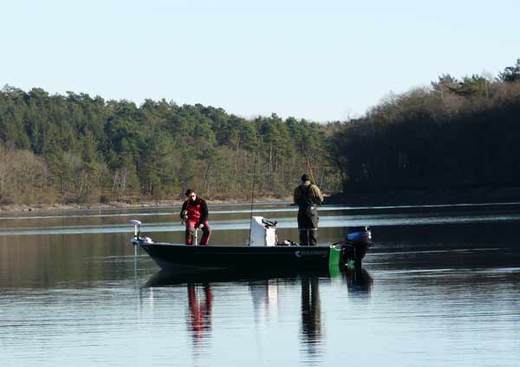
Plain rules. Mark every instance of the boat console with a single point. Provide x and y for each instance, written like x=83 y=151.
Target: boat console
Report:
x=263 y=232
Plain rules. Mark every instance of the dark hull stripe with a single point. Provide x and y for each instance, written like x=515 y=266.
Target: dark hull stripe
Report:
x=172 y=257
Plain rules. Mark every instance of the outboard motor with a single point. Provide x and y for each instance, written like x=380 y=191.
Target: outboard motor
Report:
x=355 y=246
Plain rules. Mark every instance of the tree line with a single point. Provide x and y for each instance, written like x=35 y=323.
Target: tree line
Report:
x=455 y=134
x=75 y=148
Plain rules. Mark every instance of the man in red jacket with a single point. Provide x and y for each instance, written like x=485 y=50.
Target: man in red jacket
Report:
x=195 y=214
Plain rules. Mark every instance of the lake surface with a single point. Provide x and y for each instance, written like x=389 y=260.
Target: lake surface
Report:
x=441 y=287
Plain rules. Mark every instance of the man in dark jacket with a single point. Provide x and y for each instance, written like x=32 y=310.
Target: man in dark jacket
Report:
x=194 y=213
x=307 y=196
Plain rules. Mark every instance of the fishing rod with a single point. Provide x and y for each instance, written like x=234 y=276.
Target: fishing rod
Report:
x=309 y=167
x=252 y=195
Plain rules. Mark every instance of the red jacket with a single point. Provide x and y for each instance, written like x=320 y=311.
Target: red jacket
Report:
x=196 y=211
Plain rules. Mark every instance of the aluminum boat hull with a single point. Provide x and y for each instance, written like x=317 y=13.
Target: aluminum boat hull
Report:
x=177 y=257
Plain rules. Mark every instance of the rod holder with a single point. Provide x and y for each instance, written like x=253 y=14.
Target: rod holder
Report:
x=195 y=237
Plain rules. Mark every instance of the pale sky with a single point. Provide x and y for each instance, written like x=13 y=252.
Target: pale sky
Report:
x=320 y=60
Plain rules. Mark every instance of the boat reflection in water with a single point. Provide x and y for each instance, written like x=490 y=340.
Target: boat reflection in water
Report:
x=311 y=330
x=266 y=290
x=359 y=282
x=199 y=303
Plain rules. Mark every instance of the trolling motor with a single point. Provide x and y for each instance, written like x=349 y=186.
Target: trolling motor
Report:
x=137 y=233
x=137 y=228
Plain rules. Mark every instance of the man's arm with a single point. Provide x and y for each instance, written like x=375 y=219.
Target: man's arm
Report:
x=203 y=211
x=317 y=194
x=182 y=214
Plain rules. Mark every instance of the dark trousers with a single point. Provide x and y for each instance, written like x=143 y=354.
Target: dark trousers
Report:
x=308 y=225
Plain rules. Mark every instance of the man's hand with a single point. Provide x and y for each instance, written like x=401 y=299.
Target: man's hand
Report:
x=201 y=225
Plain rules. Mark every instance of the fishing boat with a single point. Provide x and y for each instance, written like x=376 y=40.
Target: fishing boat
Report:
x=263 y=252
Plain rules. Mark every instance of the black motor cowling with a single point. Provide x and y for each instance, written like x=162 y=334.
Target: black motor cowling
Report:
x=355 y=246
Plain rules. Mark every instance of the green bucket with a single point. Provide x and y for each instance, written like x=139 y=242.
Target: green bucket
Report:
x=334 y=259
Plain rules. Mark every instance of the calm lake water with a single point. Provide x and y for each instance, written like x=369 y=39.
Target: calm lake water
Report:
x=441 y=287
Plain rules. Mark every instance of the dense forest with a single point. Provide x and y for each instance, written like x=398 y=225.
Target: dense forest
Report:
x=456 y=134
x=80 y=149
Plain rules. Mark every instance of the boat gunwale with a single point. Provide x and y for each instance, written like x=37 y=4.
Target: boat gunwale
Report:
x=237 y=247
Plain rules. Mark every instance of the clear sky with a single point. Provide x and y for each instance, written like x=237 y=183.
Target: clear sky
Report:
x=321 y=60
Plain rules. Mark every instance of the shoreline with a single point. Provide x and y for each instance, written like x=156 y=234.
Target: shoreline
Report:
x=472 y=195
x=476 y=195
x=122 y=205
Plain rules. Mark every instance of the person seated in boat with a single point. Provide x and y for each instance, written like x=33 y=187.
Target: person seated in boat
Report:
x=194 y=213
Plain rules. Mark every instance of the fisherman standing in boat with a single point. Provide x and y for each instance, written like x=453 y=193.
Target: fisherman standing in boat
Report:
x=307 y=196
x=194 y=213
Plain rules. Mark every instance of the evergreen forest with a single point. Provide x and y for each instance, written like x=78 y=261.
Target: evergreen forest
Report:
x=455 y=134
x=76 y=148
